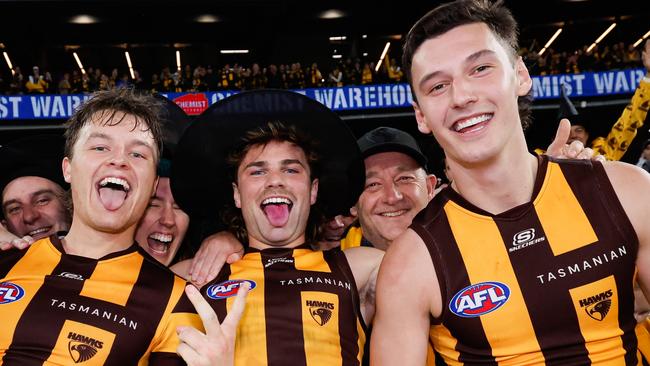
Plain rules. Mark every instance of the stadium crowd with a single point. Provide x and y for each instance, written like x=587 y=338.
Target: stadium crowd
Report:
x=237 y=76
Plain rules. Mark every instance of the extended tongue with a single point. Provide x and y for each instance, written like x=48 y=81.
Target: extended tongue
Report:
x=112 y=199
x=278 y=215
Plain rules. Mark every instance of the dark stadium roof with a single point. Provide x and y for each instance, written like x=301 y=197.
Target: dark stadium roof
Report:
x=40 y=32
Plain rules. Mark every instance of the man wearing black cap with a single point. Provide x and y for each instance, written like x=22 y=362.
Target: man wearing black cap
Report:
x=397 y=187
x=32 y=189
x=644 y=159
x=304 y=306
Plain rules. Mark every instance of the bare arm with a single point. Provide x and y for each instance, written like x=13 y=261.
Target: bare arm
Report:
x=632 y=185
x=9 y=240
x=407 y=294
x=364 y=263
x=215 y=250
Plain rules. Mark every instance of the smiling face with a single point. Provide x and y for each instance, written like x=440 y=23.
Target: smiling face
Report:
x=163 y=226
x=467 y=86
x=396 y=189
x=112 y=174
x=274 y=192
x=34 y=206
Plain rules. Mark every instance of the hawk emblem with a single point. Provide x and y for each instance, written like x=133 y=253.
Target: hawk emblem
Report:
x=81 y=352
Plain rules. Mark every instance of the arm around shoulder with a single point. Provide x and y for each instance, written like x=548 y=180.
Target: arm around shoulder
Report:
x=407 y=294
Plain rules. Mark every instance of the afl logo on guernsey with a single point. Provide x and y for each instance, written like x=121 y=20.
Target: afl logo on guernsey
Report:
x=479 y=299
x=10 y=292
x=227 y=289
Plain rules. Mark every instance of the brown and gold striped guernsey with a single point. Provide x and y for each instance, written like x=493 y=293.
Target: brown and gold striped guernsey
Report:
x=549 y=282
x=303 y=308
x=60 y=309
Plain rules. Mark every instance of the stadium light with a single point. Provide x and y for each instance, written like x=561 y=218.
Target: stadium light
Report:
x=338 y=38
x=11 y=67
x=383 y=54
x=233 y=51
x=605 y=33
x=128 y=62
x=337 y=56
x=81 y=67
x=557 y=33
x=178 y=60
x=637 y=43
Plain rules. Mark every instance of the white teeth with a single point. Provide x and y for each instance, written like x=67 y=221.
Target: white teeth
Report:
x=472 y=121
x=276 y=200
x=164 y=238
x=115 y=180
x=393 y=214
x=38 y=231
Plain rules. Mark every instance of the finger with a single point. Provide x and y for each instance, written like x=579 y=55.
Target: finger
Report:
x=575 y=148
x=237 y=310
x=586 y=154
x=188 y=354
x=192 y=336
x=28 y=239
x=234 y=257
x=561 y=138
x=19 y=243
x=197 y=261
x=5 y=246
x=215 y=267
x=207 y=315
x=209 y=258
x=600 y=158
x=339 y=220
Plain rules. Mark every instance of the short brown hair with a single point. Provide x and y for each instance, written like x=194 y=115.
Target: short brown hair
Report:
x=112 y=106
x=461 y=12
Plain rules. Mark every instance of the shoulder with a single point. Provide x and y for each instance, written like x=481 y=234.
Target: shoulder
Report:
x=182 y=268
x=631 y=184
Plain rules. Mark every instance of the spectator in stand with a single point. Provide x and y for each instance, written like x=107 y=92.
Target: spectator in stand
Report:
x=3 y=85
x=335 y=78
x=187 y=78
x=227 y=77
x=36 y=83
x=64 y=86
x=156 y=85
x=167 y=80
x=395 y=74
x=644 y=159
x=315 y=77
x=257 y=79
x=367 y=74
x=211 y=79
x=121 y=82
x=632 y=56
x=85 y=83
x=274 y=78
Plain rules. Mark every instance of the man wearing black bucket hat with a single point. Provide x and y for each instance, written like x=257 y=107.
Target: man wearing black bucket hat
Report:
x=304 y=306
x=32 y=188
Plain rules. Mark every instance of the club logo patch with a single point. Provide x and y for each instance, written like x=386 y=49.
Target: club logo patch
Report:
x=597 y=306
x=10 y=292
x=479 y=299
x=82 y=348
x=227 y=289
x=320 y=311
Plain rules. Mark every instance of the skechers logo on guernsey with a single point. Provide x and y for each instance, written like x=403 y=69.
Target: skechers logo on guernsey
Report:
x=71 y=275
x=320 y=311
x=10 y=292
x=479 y=299
x=523 y=239
x=82 y=348
x=597 y=306
x=227 y=289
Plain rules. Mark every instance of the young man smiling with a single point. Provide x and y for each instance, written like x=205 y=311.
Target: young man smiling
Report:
x=94 y=295
x=523 y=259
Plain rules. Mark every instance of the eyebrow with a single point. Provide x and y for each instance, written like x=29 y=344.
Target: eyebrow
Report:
x=285 y=162
x=471 y=58
x=37 y=193
x=400 y=169
x=136 y=142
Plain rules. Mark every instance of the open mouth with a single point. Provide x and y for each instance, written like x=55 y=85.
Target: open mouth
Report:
x=40 y=232
x=113 y=192
x=277 y=210
x=159 y=243
x=473 y=124
x=393 y=213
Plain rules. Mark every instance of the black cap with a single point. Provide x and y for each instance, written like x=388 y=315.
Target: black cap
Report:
x=38 y=156
x=174 y=122
x=200 y=183
x=387 y=139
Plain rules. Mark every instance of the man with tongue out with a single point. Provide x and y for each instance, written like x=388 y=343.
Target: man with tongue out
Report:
x=94 y=294
x=304 y=306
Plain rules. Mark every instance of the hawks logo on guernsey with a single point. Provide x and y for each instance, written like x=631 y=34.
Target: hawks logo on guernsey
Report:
x=10 y=292
x=479 y=299
x=83 y=348
x=597 y=306
x=320 y=311
x=227 y=289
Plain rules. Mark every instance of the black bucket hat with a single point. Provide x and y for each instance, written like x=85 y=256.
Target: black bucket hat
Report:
x=38 y=156
x=200 y=181
x=174 y=122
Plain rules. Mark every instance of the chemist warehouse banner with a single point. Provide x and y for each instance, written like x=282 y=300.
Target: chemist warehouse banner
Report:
x=339 y=99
